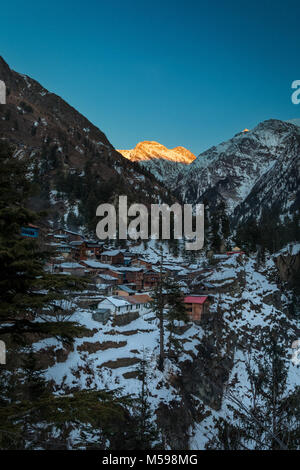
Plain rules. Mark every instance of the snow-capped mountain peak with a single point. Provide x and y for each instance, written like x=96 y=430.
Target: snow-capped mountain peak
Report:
x=231 y=170
x=149 y=150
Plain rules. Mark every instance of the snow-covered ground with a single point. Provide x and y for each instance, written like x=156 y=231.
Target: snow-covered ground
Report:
x=250 y=317
x=245 y=298
x=100 y=369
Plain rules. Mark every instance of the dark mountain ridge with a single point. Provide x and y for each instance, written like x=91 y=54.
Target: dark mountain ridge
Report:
x=71 y=160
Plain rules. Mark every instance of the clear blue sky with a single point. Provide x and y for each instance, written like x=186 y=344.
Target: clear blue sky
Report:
x=189 y=73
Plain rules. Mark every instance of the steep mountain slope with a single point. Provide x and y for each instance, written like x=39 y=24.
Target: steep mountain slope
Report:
x=77 y=168
x=253 y=169
x=254 y=306
x=165 y=171
x=254 y=172
x=277 y=190
x=69 y=156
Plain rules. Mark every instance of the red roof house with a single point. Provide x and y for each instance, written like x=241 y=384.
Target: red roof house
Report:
x=196 y=306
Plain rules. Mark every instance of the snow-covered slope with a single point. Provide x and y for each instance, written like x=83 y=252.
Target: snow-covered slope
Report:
x=231 y=170
x=253 y=308
x=165 y=164
x=166 y=171
x=252 y=305
x=276 y=191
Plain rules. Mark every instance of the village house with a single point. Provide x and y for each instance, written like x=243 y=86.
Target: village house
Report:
x=72 y=236
x=95 y=267
x=124 y=290
x=196 y=306
x=83 y=249
x=31 y=231
x=116 y=305
x=112 y=257
x=151 y=279
x=105 y=284
x=120 y=305
x=105 y=289
x=133 y=275
x=63 y=249
x=141 y=302
x=141 y=263
x=172 y=270
x=101 y=315
x=78 y=249
x=57 y=238
x=130 y=254
x=107 y=279
x=93 y=248
x=75 y=269
x=114 y=272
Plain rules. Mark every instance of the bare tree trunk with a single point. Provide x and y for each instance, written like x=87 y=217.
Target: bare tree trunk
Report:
x=161 y=316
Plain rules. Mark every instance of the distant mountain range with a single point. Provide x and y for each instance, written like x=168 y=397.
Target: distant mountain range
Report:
x=78 y=168
x=254 y=171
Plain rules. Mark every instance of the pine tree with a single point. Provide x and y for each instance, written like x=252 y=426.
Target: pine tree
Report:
x=271 y=419
x=28 y=424
x=34 y=383
x=215 y=237
x=158 y=305
x=277 y=410
x=28 y=409
x=146 y=430
x=26 y=290
x=72 y=221
x=168 y=306
x=176 y=311
x=225 y=226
